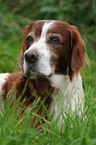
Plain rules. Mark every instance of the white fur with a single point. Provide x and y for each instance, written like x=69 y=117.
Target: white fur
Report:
x=3 y=77
x=69 y=97
x=43 y=65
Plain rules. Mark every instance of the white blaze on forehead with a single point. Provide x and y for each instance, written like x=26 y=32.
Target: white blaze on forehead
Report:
x=44 y=63
x=45 y=28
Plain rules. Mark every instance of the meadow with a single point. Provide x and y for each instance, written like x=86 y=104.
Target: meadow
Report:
x=76 y=130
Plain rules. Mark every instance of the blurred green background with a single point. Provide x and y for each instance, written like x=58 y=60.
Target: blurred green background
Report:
x=15 y=15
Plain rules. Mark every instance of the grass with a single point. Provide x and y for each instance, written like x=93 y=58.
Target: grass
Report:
x=8 y=55
x=76 y=130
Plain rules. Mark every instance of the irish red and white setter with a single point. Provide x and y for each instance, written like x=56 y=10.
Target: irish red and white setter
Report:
x=52 y=55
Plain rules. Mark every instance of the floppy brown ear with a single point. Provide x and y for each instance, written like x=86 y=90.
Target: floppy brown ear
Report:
x=24 y=45
x=78 y=50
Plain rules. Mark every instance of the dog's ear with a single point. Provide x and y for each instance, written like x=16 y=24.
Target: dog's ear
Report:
x=78 y=50
x=24 y=45
x=24 y=42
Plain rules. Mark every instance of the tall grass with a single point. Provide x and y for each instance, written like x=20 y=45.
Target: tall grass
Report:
x=17 y=129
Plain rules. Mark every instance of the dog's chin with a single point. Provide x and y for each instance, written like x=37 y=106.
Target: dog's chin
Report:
x=33 y=75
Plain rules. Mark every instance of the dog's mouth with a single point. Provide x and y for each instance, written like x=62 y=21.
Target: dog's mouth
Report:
x=45 y=76
x=32 y=73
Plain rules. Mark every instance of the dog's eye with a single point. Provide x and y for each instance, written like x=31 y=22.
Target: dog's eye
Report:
x=29 y=39
x=54 y=40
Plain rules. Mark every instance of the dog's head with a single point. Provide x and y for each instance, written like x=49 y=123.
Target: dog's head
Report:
x=52 y=47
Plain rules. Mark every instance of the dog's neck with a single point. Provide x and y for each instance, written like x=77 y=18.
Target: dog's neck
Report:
x=60 y=81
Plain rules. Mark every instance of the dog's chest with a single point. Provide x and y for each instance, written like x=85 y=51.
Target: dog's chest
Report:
x=63 y=87
x=68 y=94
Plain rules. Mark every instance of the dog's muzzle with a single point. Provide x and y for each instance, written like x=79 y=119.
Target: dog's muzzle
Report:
x=34 y=66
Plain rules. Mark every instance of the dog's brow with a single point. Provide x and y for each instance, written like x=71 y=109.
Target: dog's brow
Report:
x=46 y=28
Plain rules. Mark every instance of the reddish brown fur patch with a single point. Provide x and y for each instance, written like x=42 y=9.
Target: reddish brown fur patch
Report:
x=13 y=77
x=37 y=28
x=78 y=51
x=37 y=88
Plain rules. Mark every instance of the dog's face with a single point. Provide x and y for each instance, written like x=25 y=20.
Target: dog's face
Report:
x=52 y=47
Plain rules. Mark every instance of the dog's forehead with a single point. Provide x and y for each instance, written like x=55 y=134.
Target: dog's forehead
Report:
x=51 y=26
x=40 y=26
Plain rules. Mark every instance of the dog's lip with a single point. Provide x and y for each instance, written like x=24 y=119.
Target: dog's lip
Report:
x=33 y=75
x=44 y=76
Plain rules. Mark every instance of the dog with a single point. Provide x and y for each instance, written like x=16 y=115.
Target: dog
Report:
x=51 y=58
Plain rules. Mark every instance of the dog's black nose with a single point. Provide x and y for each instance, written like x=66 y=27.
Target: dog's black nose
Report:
x=31 y=57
